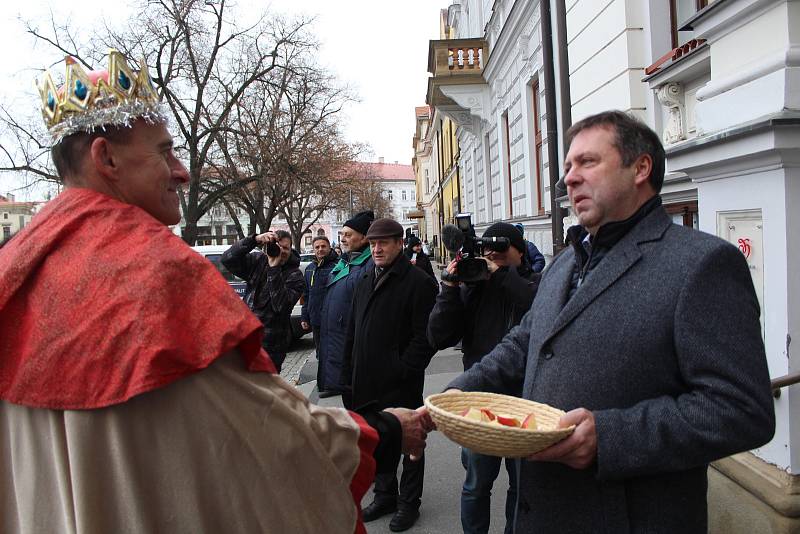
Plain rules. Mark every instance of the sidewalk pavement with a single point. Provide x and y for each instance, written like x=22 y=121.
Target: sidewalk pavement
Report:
x=301 y=352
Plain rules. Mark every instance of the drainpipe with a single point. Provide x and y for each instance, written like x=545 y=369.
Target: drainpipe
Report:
x=563 y=71
x=556 y=213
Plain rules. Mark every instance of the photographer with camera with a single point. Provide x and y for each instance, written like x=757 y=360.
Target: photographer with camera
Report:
x=274 y=284
x=485 y=292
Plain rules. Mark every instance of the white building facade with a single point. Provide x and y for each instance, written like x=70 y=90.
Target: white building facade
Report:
x=502 y=140
x=14 y=216
x=425 y=170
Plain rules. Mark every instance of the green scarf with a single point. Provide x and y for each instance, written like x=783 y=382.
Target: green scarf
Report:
x=342 y=268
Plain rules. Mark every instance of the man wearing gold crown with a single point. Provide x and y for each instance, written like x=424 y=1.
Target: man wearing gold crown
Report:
x=127 y=402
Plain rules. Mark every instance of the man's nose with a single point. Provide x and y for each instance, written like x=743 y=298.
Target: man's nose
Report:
x=571 y=177
x=180 y=173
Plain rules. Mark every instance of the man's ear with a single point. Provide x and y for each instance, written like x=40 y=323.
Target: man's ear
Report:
x=643 y=168
x=104 y=158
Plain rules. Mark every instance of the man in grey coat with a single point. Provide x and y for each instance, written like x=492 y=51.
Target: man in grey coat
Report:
x=647 y=333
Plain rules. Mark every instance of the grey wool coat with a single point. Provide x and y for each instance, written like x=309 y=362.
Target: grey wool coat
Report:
x=662 y=342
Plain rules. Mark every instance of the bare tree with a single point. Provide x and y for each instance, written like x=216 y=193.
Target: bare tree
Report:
x=290 y=146
x=203 y=65
x=369 y=193
x=322 y=184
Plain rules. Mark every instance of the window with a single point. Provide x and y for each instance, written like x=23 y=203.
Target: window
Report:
x=683 y=213
x=680 y=12
x=5 y=216
x=308 y=240
x=427 y=181
x=507 y=146
x=404 y=194
x=216 y=259
x=321 y=232
x=389 y=194
x=536 y=160
x=6 y=232
x=487 y=157
x=231 y=234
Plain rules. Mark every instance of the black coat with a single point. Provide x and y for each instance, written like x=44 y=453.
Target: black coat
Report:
x=422 y=261
x=387 y=349
x=480 y=314
x=316 y=280
x=271 y=293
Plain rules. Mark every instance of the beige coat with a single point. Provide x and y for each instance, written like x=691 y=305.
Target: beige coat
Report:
x=221 y=451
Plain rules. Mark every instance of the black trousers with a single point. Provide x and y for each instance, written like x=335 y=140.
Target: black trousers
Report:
x=276 y=357
x=315 y=335
x=409 y=496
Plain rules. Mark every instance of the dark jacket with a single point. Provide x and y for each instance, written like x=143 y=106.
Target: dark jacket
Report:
x=271 y=292
x=316 y=277
x=662 y=342
x=387 y=350
x=535 y=258
x=480 y=314
x=422 y=261
x=335 y=317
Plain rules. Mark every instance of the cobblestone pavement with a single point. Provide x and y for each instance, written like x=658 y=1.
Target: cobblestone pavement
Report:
x=302 y=349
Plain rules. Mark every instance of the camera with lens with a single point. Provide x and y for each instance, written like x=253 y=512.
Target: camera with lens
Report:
x=273 y=249
x=469 y=249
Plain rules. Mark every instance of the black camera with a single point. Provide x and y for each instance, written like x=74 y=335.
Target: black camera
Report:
x=273 y=249
x=461 y=240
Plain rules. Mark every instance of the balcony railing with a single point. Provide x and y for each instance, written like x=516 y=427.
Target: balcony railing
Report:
x=457 y=57
x=782 y=382
x=674 y=55
x=454 y=62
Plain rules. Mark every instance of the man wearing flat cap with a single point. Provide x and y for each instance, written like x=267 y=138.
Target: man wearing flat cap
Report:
x=336 y=306
x=386 y=355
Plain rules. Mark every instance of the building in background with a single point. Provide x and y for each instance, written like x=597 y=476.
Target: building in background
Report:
x=486 y=79
x=394 y=181
x=14 y=216
x=423 y=167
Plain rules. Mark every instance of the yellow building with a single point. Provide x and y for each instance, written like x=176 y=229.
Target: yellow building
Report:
x=423 y=167
x=444 y=193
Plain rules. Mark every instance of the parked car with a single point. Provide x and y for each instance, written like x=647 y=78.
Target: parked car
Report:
x=213 y=253
x=305 y=259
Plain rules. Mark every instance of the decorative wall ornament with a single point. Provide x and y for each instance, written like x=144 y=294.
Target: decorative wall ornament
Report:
x=671 y=96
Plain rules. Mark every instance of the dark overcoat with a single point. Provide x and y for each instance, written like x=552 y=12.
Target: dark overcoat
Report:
x=337 y=307
x=662 y=342
x=387 y=346
x=316 y=278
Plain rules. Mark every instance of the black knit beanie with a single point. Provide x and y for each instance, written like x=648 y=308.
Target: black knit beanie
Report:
x=501 y=229
x=361 y=221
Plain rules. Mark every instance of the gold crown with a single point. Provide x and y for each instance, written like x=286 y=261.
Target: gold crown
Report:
x=86 y=101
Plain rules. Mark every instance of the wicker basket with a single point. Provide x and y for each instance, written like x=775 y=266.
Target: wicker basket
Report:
x=479 y=436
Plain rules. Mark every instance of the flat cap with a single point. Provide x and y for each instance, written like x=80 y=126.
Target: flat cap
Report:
x=385 y=228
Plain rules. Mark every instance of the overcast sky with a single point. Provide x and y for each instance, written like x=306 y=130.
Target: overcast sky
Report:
x=379 y=48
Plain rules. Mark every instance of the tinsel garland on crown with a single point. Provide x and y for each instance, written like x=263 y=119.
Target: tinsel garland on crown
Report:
x=86 y=101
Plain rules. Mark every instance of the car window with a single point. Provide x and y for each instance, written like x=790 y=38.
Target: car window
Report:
x=307 y=258
x=229 y=276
